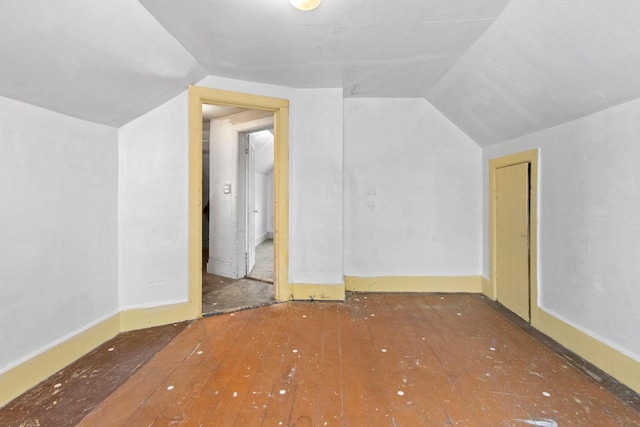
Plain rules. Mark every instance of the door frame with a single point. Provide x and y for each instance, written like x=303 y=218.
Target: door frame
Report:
x=198 y=96
x=530 y=157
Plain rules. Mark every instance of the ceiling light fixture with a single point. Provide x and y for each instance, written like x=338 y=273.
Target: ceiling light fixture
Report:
x=305 y=4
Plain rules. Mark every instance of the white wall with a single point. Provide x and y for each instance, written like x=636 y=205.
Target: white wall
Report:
x=58 y=228
x=588 y=222
x=153 y=207
x=317 y=188
x=412 y=191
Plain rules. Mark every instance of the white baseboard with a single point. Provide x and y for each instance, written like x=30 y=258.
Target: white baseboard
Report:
x=261 y=238
x=221 y=268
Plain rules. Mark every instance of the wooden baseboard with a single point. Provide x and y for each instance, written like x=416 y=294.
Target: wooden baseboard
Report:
x=487 y=288
x=471 y=284
x=615 y=363
x=305 y=292
x=147 y=317
x=36 y=369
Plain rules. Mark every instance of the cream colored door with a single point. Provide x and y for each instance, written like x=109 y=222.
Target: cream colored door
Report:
x=512 y=238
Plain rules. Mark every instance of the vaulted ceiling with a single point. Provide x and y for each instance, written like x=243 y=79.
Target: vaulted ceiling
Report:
x=498 y=69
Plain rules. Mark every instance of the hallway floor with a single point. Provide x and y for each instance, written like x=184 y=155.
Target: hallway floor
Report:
x=263 y=269
x=373 y=360
x=224 y=295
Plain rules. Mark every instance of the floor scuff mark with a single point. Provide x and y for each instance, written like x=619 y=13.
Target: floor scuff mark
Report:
x=540 y=423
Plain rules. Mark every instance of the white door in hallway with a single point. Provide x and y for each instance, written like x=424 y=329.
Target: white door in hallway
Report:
x=512 y=238
x=251 y=206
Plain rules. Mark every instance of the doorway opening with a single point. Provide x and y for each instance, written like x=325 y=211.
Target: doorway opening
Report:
x=245 y=117
x=513 y=233
x=237 y=175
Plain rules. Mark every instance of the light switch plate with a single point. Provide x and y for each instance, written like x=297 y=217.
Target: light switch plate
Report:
x=227 y=189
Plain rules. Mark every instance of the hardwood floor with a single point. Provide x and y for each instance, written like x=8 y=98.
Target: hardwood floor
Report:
x=375 y=360
x=66 y=397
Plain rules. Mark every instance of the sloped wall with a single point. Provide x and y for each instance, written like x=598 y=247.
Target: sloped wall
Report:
x=152 y=207
x=58 y=228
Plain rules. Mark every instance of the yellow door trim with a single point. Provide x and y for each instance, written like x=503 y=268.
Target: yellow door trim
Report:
x=530 y=157
x=280 y=107
x=471 y=284
x=147 y=317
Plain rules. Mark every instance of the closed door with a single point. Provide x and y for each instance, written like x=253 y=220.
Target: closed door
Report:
x=512 y=238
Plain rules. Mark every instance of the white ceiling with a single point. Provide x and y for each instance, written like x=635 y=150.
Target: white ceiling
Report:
x=543 y=63
x=498 y=71
x=102 y=61
x=262 y=143
x=368 y=47
x=210 y=111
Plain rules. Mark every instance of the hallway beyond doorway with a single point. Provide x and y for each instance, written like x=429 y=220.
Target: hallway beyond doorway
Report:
x=263 y=269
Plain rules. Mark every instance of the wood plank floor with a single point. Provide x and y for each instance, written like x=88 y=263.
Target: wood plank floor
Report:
x=67 y=396
x=374 y=360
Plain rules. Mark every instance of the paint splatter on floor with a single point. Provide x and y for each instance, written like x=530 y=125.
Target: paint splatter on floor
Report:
x=539 y=423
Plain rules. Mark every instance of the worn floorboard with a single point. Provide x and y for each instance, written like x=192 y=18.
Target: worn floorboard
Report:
x=374 y=360
x=73 y=392
x=263 y=270
x=394 y=359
